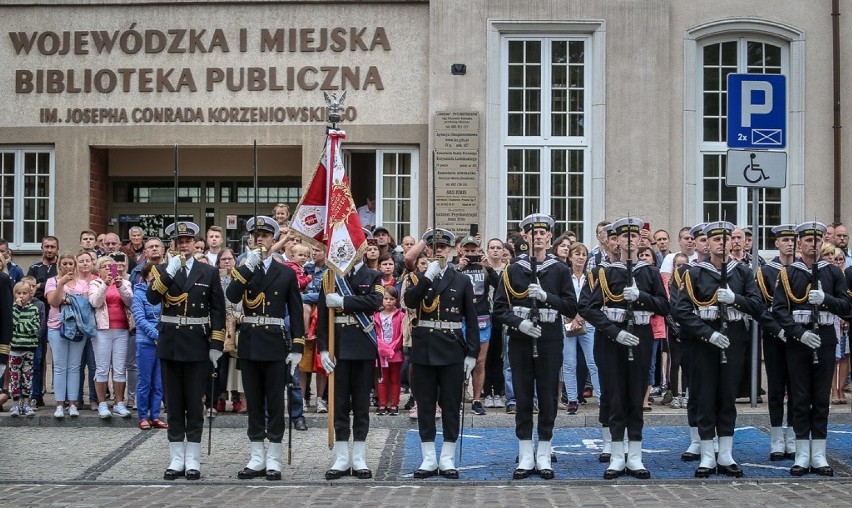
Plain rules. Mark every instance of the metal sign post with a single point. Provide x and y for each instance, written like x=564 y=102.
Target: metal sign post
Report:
x=755 y=264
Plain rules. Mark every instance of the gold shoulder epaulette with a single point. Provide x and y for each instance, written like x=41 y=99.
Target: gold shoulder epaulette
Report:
x=785 y=282
x=379 y=289
x=687 y=283
x=507 y=283
x=761 y=283
x=158 y=286
x=236 y=275
x=608 y=296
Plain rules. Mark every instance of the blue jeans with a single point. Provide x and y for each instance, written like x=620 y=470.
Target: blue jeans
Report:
x=37 y=373
x=66 y=366
x=653 y=371
x=296 y=403
x=149 y=388
x=87 y=361
x=569 y=363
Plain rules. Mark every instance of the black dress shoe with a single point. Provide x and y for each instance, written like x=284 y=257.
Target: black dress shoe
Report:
x=520 y=474
x=299 y=423
x=335 y=474
x=273 y=475
x=689 y=456
x=546 y=474
x=733 y=470
x=451 y=474
x=641 y=474
x=193 y=474
x=248 y=473
x=425 y=473
x=776 y=456
x=362 y=474
x=553 y=457
x=612 y=474
x=799 y=471
x=823 y=471
x=704 y=472
x=604 y=457
x=790 y=455
x=171 y=474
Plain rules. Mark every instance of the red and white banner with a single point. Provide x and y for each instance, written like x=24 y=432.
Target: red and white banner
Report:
x=326 y=216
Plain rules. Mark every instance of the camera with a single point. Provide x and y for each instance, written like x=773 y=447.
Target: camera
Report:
x=474 y=259
x=118 y=257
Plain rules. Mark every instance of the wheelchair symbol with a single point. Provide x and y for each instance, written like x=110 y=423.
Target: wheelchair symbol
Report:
x=753 y=173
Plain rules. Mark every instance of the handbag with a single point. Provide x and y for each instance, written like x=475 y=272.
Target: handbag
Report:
x=575 y=331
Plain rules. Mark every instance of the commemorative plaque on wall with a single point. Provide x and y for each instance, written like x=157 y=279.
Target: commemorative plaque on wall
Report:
x=457 y=169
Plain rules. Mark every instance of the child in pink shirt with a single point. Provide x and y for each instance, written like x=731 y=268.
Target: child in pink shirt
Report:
x=388 y=326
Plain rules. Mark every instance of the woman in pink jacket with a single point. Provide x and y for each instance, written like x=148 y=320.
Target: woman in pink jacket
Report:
x=388 y=326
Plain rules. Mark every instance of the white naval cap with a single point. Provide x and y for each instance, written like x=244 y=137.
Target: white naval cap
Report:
x=811 y=228
x=262 y=223
x=718 y=228
x=537 y=221
x=627 y=225
x=182 y=228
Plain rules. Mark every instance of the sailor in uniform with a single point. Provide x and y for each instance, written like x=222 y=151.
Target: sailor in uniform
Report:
x=533 y=295
x=441 y=355
x=622 y=311
x=806 y=309
x=715 y=317
x=355 y=298
x=192 y=333
x=269 y=291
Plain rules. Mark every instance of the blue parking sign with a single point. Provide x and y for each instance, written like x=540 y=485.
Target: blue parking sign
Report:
x=757 y=111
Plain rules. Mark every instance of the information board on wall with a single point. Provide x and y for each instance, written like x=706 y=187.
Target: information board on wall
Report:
x=457 y=170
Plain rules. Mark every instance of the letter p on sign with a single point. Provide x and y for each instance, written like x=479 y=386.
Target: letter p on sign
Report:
x=757 y=111
x=751 y=104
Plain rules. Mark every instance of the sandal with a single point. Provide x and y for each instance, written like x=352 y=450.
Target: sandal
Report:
x=144 y=425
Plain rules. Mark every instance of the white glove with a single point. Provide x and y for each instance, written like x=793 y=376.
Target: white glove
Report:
x=781 y=336
x=327 y=364
x=469 y=364
x=719 y=340
x=215 y=354
x=725 y=295
x=432 y=270
x=536 y=292
x=530 y=329
x=174 y=266
x=816 y=296
x=626 y=338
x=631 y=293
x=810 y=339
x=253 y=259
x=334 y=301
x=293 y=360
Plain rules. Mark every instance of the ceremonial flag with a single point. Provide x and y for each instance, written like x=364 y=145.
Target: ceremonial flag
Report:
x=326 y=216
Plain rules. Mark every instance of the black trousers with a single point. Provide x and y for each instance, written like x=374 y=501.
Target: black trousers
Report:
x=676 y=372
x=184 y=383
x=744 y=389
x=441 y=384
x=219 y=383
x=686 y=365
x=810 y=385
x=714 y=384
x=264 y=384
x=539 y=374
x=603 y=411
x=494 y=380
x=777 y=379
x=626 y=383
x=353 y=380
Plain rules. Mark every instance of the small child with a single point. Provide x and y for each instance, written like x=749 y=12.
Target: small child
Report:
x=300 y=255
x=25 y=326
x=388 y=326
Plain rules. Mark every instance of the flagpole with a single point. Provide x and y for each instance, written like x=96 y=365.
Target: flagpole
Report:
x=331 y=405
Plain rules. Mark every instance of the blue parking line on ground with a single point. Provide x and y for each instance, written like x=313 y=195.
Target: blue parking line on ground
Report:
x=489 y=454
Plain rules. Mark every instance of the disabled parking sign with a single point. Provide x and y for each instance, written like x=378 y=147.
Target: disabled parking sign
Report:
x=757 y=111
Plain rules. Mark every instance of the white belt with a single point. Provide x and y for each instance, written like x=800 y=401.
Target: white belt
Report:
x=544 y=315
x=642 y=317
x=440 y=325
x=711 y=313
x=614 y=314
x=263 y=320
x=184 y=320
x=346 y=320
x=806 y=317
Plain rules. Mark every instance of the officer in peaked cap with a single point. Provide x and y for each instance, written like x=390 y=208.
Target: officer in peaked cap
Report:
x=715 y=315
x=356 y=297
x=533 y=295
x=192 y=333
x=806 y=301
x=441 y=355
x=269 y=291
x=774 y=347
x=628 y=292
x=700 y=238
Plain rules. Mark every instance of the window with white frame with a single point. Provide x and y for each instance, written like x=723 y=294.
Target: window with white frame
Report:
x=718 y=58
x=545 y=140
x=26 y=187
x=396 y=191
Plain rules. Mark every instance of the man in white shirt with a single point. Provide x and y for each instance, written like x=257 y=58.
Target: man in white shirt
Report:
x=367 y=213
x=687 y=246
x=215 y=238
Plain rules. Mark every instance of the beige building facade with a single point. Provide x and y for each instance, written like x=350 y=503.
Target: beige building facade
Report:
x=583 y=110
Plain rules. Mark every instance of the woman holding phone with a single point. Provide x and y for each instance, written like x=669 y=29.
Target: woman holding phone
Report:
x=111 y=296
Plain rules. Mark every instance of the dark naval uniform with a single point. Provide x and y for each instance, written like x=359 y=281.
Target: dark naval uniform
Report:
x=626 y=379
x=192 y=324
x=438 y=353
x=714 y=384
x=355 y=359
x=535 y=369
x=268 y=292
x=810 y=363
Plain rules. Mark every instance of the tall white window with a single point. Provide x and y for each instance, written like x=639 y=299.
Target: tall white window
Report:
x=26 y=187
x=546 y=106
x=717 y=59
x=395 y=172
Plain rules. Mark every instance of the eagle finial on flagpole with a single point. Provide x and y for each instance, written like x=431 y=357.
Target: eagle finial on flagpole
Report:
x=334 y=106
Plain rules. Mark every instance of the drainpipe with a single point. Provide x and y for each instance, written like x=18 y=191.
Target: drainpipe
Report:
x=835 y=36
